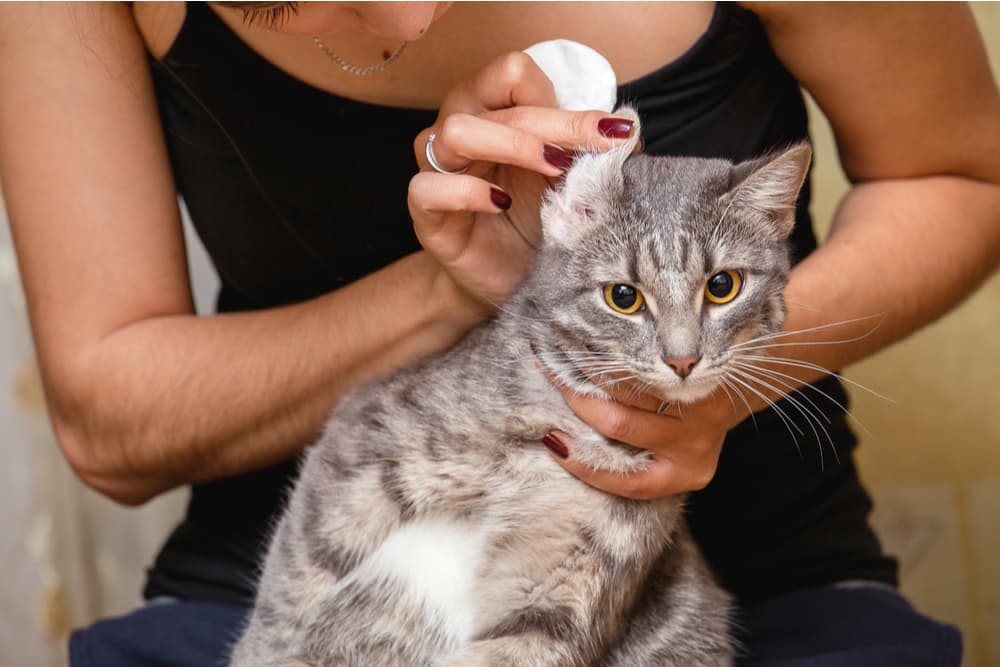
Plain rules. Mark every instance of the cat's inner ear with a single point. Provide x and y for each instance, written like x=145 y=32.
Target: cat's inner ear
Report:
x=583 y=196
x=770 y=185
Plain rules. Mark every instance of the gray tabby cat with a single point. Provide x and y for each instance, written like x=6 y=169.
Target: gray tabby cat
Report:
x=429 y=525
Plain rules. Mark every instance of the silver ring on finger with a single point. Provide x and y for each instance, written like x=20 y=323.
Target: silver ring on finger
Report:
x=664 y=406
x=432 y=161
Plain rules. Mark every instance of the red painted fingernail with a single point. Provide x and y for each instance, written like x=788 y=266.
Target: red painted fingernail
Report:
x=615 y=128
x=556 y=446
x=557 y=157
x=500 y=198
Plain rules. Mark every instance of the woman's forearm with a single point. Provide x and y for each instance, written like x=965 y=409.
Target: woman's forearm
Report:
x=901 y=253
x=178 y=399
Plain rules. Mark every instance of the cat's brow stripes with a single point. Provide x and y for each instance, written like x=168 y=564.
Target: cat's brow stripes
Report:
x=683 y=242
x=633 y=267
x=656 y=257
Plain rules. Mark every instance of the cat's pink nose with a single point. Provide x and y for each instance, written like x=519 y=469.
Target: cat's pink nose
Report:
x=682 y=365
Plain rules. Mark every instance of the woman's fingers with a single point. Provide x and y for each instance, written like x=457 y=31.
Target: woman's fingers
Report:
x=684 y=448
x=463 y=139
x=512 y=93
x=640 y=428
x=510 y=80
x=456 y=220
x=432 y=196
x=648 y=430
x=540 y=139
x=579 y=130
x=663 y=476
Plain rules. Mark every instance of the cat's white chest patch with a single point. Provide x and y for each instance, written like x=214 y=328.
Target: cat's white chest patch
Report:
x=436 y=561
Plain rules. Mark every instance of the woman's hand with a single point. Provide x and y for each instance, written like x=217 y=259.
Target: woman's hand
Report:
x=502 y=128
x=685 y=440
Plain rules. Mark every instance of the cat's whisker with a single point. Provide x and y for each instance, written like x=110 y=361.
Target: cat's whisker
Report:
x=580 y=354
x=767 y=385
x=611 y=382
x=806 y=306
x=789 y=423
x=572 y=359
x=794 y=379
x=712 y=239
x=797 y=343
x=728 y=395
x=639 y=388
x=784 y=334
x=633 y=392
x=764 y=344
x=581 y=357
x=608 y=371
x=566 y=378
x=811 y=417
x=801 y=389
x=808 y=365
x=603 y=369
x=782 y=379
x=811 y=420
x=726 y=382
x=785 y=419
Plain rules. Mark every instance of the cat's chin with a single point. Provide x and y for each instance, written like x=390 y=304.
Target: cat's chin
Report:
x=690 y=392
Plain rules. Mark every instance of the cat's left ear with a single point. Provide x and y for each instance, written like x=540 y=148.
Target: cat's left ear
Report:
x=770 y=185
x=587 y=190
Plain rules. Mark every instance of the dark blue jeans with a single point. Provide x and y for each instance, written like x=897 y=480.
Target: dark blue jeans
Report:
x=834 y=626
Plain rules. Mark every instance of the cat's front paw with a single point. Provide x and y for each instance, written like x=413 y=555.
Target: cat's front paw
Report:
x=599 y=453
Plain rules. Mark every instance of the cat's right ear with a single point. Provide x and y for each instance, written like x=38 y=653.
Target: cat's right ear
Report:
x=586 y=192
x=770 y=185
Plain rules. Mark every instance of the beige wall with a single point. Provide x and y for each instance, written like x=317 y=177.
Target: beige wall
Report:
x=932 y=457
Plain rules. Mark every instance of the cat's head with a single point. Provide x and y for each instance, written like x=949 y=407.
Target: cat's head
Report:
x=655 y=267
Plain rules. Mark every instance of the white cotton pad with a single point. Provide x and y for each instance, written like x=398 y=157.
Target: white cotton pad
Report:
x=582 y=77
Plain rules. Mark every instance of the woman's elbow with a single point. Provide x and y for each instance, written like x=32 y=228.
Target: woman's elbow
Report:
x=100 y=462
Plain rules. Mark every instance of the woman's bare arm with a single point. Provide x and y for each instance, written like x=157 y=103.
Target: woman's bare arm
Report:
x=916 y=114
x=143 y=395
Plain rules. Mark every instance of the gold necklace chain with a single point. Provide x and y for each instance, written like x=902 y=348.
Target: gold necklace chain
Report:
x=357 y=69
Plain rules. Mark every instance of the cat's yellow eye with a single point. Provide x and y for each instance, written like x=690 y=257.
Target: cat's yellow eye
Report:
x=723 y=286
x=623 y=298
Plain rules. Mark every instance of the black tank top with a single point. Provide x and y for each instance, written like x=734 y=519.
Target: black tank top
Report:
x=296 y=192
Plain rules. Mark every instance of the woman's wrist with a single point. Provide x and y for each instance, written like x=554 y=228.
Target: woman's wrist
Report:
x=455 y=308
